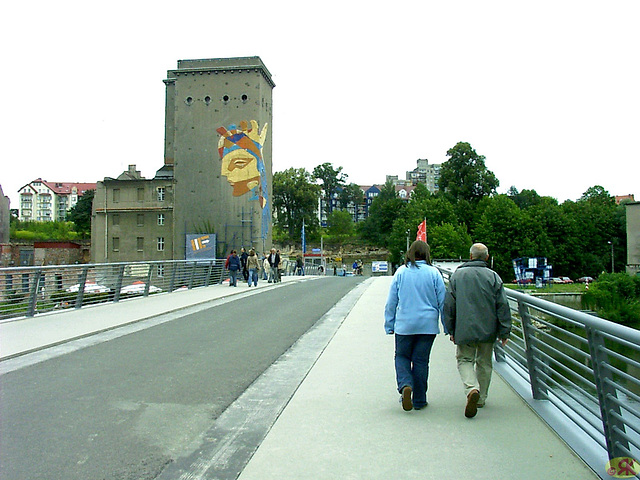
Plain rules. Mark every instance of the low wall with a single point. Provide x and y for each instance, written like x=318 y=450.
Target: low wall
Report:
x=571 y=300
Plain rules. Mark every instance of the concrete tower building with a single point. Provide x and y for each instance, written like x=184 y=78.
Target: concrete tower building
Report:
x=217 y=172
x=218 y=139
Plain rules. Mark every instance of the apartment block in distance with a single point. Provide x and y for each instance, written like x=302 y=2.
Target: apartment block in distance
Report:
x=43 y=201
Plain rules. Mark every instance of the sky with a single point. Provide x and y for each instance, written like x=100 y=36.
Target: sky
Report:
x=548 y=91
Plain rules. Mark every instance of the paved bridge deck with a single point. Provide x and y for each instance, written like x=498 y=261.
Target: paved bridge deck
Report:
x=343 y=419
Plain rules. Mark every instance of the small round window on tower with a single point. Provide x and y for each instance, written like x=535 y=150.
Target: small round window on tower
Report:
x=225 y=99
x=207 y=99
x=244 y=98
x=188 y=100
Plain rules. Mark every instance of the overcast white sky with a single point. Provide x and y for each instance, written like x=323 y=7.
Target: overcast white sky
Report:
x=547 y=91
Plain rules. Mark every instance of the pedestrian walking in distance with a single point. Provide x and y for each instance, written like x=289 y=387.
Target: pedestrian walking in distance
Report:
x=476 y=313
x=414 y=305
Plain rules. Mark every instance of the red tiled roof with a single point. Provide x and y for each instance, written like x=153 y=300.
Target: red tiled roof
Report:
x=65 y=188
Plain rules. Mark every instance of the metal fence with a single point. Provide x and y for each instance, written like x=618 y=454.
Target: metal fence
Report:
x=25 y=291
x=586 y=367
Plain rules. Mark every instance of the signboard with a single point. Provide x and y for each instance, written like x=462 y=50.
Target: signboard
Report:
x=379 y=267
x=200 y=246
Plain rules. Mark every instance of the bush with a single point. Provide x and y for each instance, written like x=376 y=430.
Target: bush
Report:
x=616 y=297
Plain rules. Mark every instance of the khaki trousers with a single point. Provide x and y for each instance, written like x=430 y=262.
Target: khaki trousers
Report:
x=475 y=367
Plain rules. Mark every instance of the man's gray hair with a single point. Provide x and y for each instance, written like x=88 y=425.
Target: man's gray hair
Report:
x=479 y=251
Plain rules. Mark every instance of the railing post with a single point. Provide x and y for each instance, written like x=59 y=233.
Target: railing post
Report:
x=33 y=294
x=617 y=445
x=537 y=389
x=118 y=287
x=220 y=268
x=193 y=273
x=207 y=282
x=81 y=282
x=172 y=282
x=147 y=284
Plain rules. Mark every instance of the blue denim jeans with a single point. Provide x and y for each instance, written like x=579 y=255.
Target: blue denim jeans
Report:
x=253 y=277
x=412 y=365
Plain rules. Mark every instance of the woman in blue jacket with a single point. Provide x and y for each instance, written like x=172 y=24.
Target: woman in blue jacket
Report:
x=414 y=304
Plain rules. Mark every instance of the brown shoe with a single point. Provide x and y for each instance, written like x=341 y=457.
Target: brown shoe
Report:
x=407 y=403
x=472 y=404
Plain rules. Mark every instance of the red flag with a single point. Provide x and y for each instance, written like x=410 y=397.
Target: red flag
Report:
x=422 y=232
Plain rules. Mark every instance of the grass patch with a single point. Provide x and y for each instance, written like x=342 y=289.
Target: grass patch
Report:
x=551 y=288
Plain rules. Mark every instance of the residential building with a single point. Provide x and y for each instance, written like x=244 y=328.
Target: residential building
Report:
x=5 y=217
x=133 y=218
x=425 y=173
x=622 y=198
x=217 y=175
x=44 y=201
x=633 y=237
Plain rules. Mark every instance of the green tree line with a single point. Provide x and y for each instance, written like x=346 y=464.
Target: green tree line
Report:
x=576 y=236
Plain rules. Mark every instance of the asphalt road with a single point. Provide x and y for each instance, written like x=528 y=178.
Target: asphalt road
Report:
x=127 y=407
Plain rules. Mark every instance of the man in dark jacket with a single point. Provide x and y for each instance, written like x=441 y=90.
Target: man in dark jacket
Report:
x=274 y=263
x=476 y=312
x=243 y=263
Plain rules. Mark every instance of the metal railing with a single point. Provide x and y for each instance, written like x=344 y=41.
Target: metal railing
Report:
x=586 y=367
x=25 y=291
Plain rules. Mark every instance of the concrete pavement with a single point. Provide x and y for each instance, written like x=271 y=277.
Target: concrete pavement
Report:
x=342 y=419
x=345 y=422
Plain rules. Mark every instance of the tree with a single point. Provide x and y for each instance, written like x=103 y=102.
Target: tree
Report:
x=524 y=199
x=616 y=297
x=331 y=179
x=449 y=241
x=351 y=194
x=465 y=176
x=507 y=231
x=596 y=223
x=80 y=214
x=295 y=198
x=384 y=210
x=340 y=224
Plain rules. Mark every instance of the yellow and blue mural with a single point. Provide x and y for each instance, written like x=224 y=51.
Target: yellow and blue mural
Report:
x=240 y=150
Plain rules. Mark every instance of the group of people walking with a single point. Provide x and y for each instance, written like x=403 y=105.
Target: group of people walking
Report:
x=250 y=266
x=473 y=311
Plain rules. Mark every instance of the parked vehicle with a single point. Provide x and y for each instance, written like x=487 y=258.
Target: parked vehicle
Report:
x=566 y=280
x=89 y=287
x=585 y=280
x=137 y=288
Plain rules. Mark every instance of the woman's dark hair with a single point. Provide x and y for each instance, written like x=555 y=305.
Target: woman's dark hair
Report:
x=418 y=250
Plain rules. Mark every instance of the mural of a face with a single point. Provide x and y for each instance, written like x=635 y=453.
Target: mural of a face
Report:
x=240 y=150
x=241 y=153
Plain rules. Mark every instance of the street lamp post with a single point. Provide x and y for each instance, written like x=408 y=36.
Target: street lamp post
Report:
x=408 y=231
x=611 y=243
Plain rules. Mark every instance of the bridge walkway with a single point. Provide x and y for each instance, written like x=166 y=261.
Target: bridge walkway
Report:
x=343 y=419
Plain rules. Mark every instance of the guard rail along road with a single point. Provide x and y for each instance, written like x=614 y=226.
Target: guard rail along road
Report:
x=27 y=291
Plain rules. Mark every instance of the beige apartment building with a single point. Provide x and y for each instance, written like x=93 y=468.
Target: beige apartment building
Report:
x=216 y=181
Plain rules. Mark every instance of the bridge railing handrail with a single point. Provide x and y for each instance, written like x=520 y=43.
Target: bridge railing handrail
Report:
x=586 y=367
x=26 y=291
